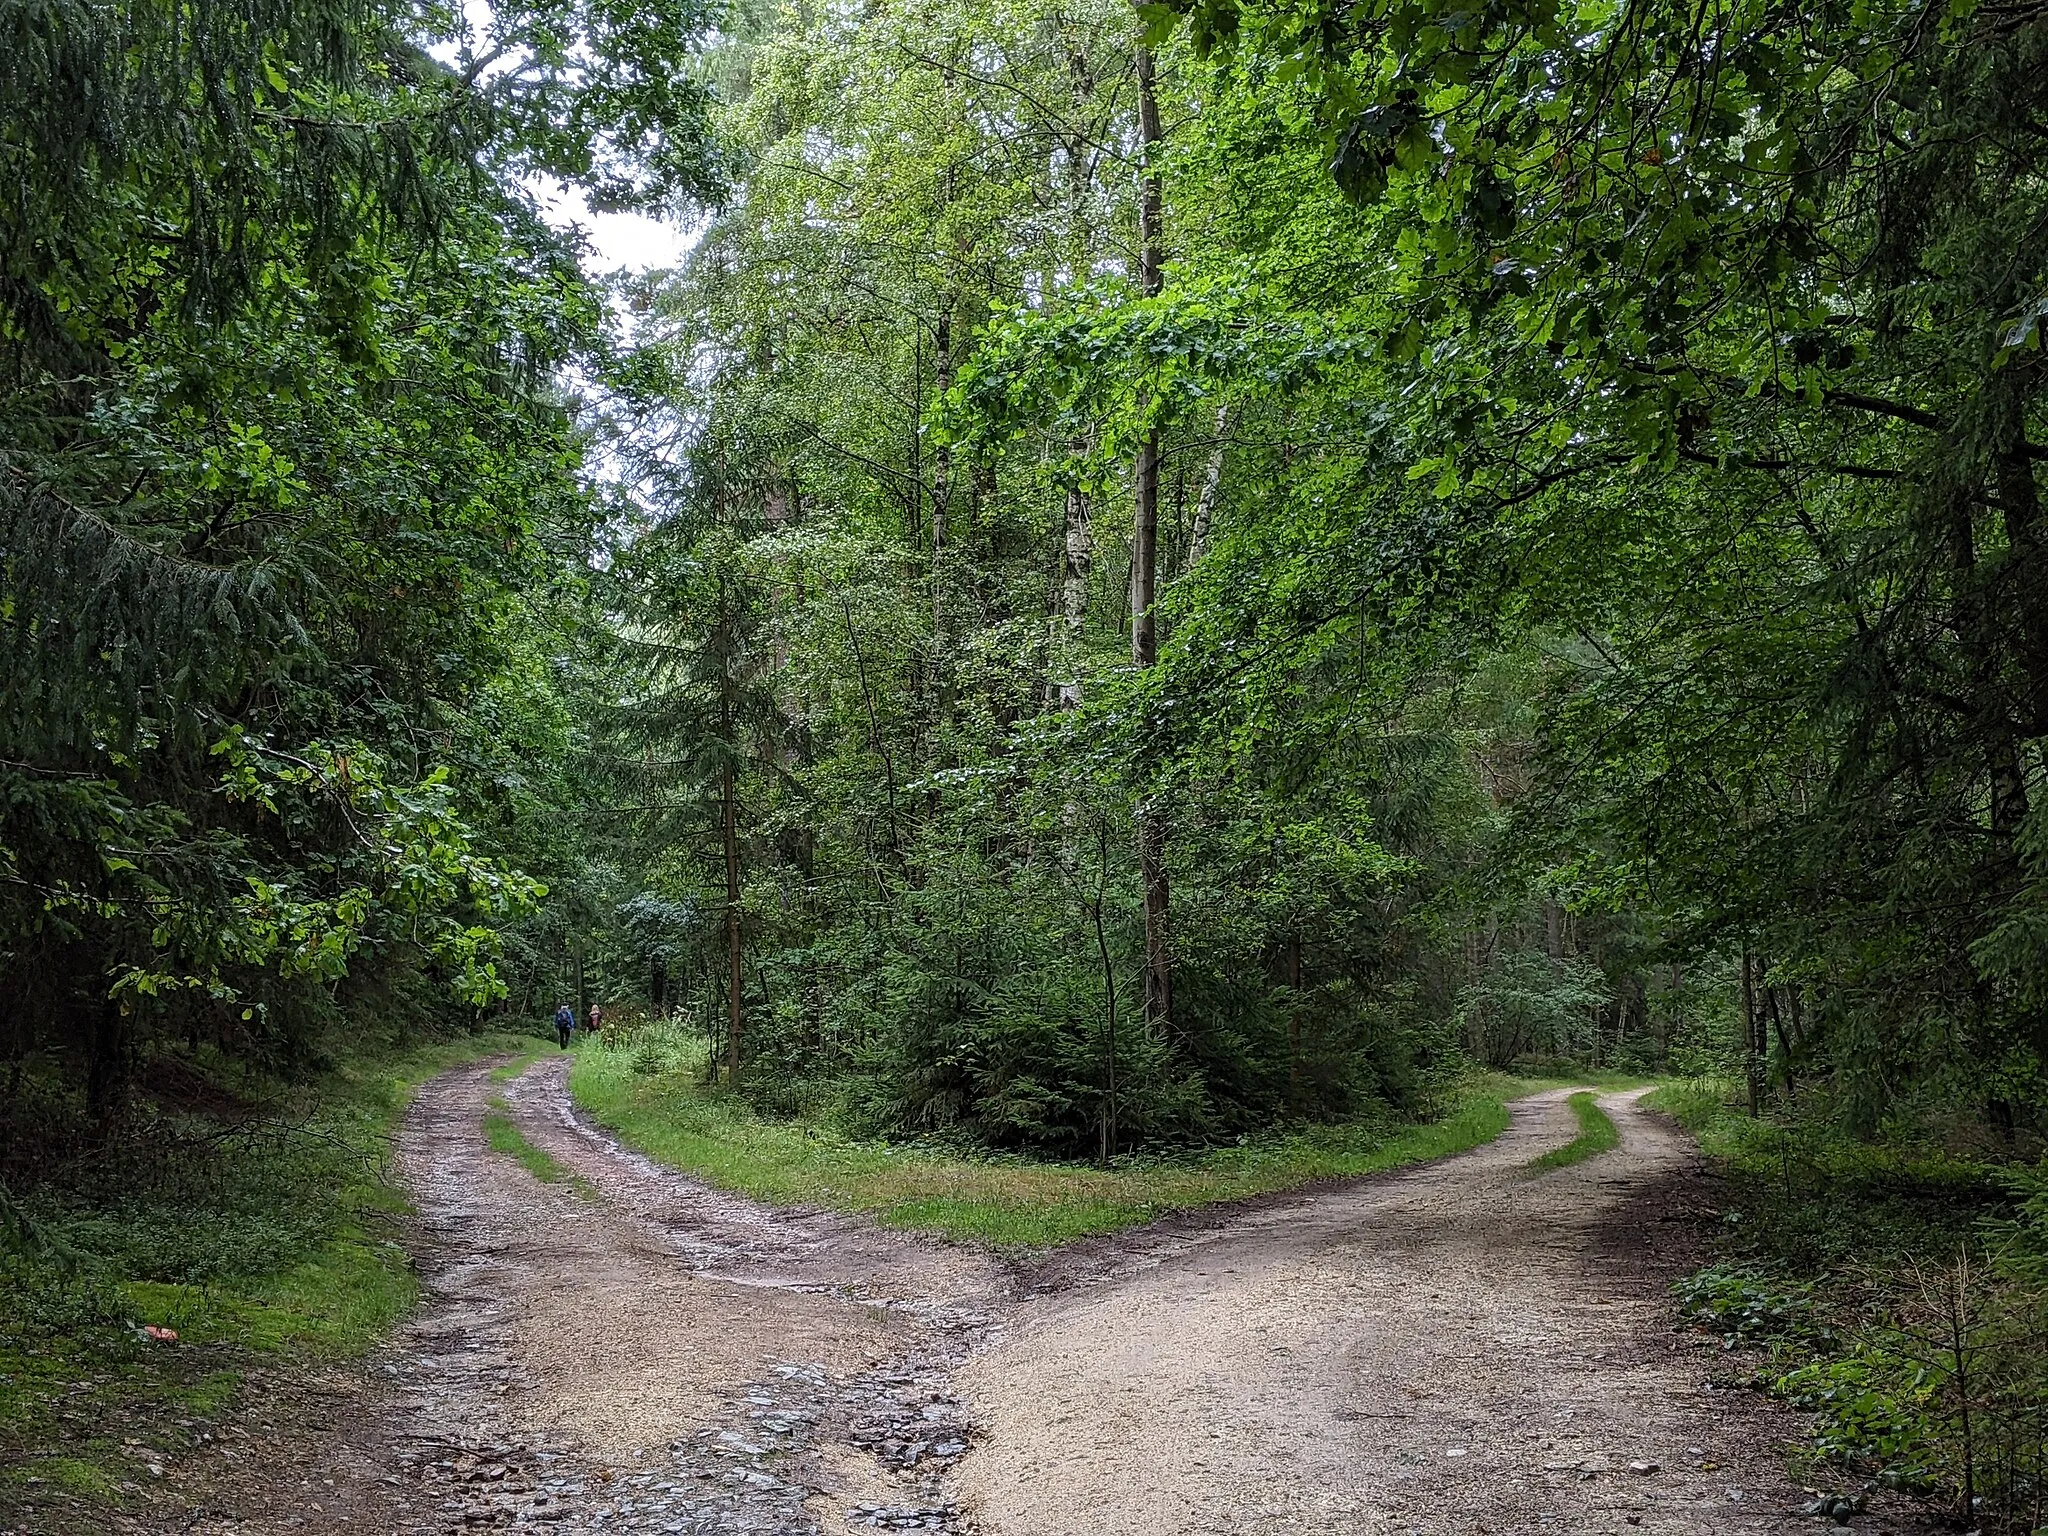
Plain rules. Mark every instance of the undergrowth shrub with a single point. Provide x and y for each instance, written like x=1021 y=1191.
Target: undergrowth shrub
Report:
x=1901 y=1295
x=1754 y=1304
x=248 y=1218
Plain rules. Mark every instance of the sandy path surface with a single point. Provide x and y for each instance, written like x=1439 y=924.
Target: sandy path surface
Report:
x=1460 y=1347
x=1466 y=1346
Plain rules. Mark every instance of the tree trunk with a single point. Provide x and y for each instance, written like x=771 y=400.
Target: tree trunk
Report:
x=735 y=976
x=942 y=473
x=1145 y=554
x=916 y=529
x=2008 y=785
x=1158 y=959
x=106 y=1075
x=1205 y=504
x=2019 y=496
x=1076 y=557
x=1752 y=1056
x=1145 y=562
x=1294 y=1020
x=1151 y=218
x=1108 y=1137
x=1778 y=1028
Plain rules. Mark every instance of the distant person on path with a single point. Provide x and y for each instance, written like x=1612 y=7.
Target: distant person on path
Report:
x=565 y=1025
x=596 y=1018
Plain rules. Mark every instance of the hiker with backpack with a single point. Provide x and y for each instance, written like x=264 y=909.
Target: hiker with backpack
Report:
x=565 y=1025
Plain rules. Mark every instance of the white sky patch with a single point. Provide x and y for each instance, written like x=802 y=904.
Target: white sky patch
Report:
x=617 y=242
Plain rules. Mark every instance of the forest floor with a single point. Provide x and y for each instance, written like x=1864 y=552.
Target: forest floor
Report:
x=1471 y=1345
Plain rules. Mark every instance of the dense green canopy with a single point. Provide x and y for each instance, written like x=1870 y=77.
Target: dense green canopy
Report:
x=1152 y=570
x=288 y=477
x=1154 y=576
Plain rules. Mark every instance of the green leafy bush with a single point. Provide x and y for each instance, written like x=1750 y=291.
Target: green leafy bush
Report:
x=1755 y=1304
x=1869 y=1414
x=1902 y=1293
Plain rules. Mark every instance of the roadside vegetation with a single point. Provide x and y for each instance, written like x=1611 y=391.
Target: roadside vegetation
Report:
x=244 y=1223
x=1897 y=1287
x=647 y=1084
x=1159 y=588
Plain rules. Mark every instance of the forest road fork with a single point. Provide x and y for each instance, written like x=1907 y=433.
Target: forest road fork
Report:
x=1463 y=1347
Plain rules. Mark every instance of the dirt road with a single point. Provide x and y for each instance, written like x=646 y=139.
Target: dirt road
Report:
x=1461 y=1347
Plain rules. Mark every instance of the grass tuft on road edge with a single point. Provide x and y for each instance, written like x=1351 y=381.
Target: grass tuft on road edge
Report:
x=1597 y=1134
x=1006 y=1202
x=506 y=1071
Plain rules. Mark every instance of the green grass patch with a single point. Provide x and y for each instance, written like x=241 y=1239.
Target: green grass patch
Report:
x=506 y=1137
x=1804 y=1191
x=1006 y=1202
x=506 y=1071
x=70 y=1475
x=1596 y=1135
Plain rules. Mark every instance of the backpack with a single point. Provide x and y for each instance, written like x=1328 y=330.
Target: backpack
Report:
x=564 y=1019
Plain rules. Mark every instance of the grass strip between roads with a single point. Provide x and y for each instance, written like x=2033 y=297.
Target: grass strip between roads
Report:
x=506 y=1137
x=1596 y=1135
x=1006 y=1202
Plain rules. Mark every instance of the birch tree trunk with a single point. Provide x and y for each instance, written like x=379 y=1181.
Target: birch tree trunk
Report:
x=1205 y=504
x=1076 y=557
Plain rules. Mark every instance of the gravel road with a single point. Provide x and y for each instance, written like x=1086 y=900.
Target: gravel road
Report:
x=1468 y=1346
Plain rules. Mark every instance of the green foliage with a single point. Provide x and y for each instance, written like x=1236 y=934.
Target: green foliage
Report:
x=1752 y=1303
x=1700 y=376
x=1464 y=675
x=1871 y=1410
x=286 y=461
x=2021 y=1240
x=1893 y=1287
x=1597 y=457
